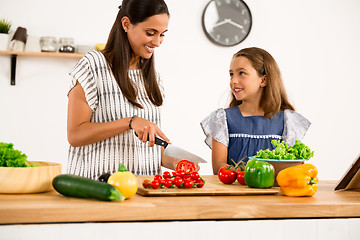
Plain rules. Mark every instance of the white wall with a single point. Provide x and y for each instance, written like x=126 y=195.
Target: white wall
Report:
x=316 y=44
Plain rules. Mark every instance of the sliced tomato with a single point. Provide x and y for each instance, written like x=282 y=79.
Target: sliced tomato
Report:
x=185 y=165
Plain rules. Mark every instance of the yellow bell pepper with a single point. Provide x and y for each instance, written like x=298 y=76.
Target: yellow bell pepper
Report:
x=298 y=180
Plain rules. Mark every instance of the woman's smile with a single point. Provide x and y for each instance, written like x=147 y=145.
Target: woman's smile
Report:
x=150 y=49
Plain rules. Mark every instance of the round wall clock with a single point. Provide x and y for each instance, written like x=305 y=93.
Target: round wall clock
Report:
x=227 y=22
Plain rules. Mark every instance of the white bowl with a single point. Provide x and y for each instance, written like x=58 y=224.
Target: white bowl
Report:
x=29 y=179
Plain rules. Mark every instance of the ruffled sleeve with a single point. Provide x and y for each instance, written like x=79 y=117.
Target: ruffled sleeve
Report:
x=295 y=126
x=215 y=127
x=83 y=73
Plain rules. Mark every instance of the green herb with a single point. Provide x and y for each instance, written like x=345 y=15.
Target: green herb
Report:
x=10 y=157
x=283 y=151
x=5 y=25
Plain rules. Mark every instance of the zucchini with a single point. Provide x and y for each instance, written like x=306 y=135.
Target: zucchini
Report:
x=81 y=187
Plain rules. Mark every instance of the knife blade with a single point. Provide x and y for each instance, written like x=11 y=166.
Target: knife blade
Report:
x=177 y=152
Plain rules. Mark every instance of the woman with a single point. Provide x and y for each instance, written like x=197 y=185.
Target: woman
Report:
x=116 y=93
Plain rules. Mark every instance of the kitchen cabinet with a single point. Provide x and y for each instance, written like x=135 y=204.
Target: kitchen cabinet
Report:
x=15 y=54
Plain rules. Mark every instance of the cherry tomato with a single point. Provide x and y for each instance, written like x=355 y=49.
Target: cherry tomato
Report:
x=240 y=177
x=199 y=181
x=168 y=182
x=185 y=165
x=146 y=183
x=186 y=176
x=227 y=175
x=166 y=174
x=178 y=181
x=195 y=176
x=155 y=184
x=188 y=183
x=158 y=177
x=180 y=173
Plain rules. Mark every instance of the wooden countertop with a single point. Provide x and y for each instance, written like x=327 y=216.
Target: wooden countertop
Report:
x=51 y=207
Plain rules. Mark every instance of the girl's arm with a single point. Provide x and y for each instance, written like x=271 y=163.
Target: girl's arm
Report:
x=82 y=132
x=219 y=156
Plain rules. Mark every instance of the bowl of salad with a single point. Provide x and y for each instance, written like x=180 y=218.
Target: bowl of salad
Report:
x=17 y=175
x=284 y=155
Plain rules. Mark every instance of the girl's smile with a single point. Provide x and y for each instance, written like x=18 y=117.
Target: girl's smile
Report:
x=237 y=90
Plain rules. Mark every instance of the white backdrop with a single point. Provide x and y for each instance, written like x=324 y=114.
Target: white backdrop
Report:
x=316 y=44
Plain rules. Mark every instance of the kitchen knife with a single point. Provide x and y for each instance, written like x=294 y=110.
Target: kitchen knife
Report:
x=177 y=152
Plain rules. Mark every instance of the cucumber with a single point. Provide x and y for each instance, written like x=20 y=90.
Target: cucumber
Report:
x=81 y=187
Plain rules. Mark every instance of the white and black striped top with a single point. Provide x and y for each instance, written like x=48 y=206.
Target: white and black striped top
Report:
x=107 y=102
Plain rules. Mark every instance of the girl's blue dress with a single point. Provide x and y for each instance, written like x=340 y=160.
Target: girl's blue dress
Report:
x=245 y=136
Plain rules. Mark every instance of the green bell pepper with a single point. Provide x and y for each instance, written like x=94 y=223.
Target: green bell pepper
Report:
x=259 y=174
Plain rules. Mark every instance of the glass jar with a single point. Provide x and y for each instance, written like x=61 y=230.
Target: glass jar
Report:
x=66 y=45
x=48 y=44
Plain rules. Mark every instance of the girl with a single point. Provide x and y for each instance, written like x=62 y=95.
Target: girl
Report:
x=117 y=92
x=258 y=112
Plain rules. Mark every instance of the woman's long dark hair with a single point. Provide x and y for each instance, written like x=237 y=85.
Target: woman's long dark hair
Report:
x=118 y=51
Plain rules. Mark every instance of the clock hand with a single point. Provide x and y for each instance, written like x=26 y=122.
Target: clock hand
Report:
x=221 y=23
x=235 y=24
x=228 y=20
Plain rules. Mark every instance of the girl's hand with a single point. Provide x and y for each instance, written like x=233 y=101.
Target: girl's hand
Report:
x=147 y=131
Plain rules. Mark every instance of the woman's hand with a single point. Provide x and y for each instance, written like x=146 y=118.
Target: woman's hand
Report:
x=171 y=162
x=147 y=131
x=197 y=167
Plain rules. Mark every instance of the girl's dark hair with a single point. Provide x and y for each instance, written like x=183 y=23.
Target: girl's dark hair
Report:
x=274 y=97
x=118 y=51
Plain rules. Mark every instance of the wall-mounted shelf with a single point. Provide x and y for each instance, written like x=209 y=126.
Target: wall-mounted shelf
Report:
x=14 y=55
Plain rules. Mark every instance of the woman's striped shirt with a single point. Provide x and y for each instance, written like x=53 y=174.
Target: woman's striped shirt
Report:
x=107 y=102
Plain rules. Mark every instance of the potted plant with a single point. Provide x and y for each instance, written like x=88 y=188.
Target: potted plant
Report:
x=5 y=26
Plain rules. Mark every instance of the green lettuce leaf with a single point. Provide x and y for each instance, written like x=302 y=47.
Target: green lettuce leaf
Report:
x=10 y=157
x=283 y=150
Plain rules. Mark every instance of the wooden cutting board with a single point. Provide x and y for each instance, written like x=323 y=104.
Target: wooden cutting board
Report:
x=212 y=187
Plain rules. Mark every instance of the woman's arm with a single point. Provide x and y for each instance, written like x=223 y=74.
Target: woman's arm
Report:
x=219 y=156
x=82 y=132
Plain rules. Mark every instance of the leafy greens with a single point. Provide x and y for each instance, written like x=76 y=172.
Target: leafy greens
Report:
x=284 y=151
x=10 y=157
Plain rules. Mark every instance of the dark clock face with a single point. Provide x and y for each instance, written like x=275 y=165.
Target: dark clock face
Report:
x=227 y=22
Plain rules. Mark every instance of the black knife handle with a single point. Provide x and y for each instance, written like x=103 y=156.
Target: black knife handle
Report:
x=158 y=141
